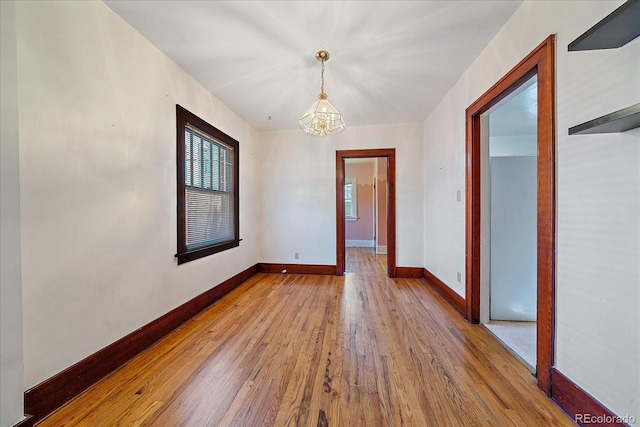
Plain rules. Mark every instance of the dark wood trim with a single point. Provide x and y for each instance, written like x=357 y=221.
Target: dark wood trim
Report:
x=390 y=154
x=546 y=216
x=409 y=272
x=181 y=214
x=391 y=212
x=473 y=224
x=297 y=268
x=449 y=295
x=203 y=252
x=54 y=392
x=578 y=404
x=184 y=117
x=539 y=62
x=340 y=224
x=28 y=421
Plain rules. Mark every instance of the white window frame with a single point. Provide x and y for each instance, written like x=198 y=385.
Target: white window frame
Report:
x=354 y=199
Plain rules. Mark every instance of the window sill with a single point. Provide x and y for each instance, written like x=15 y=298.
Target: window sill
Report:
x=198 y=253
x=350 y=218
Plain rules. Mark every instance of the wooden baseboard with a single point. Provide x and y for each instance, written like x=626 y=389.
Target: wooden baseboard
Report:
x=54 y=392
x=409 y=272
x=446 y=292
x=581 y=407
x=298 y=268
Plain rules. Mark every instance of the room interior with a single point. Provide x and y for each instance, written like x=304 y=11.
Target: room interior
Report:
x=511 y=187
x=366 y=184
x=88 y=190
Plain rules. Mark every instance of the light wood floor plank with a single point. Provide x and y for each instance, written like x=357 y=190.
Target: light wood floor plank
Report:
x=295 y=350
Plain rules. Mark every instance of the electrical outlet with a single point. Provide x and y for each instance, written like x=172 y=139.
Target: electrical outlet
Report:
x=296 y=255
x=459 y=277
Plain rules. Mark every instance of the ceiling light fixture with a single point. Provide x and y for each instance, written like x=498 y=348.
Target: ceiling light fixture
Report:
x=322 y=118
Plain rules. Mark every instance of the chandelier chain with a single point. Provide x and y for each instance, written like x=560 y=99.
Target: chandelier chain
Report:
x=322 y=77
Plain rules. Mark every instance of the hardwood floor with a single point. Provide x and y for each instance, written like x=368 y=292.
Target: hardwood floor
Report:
x=298 y=350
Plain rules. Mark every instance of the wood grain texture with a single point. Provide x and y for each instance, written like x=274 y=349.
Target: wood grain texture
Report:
x=575 y=401
x=445 y=291
x=390 y=155
x=472 y=217
x=62 y=387
x=297 y=268
x=546 y=214
x=539 y=62
x=304 y=350
x=408 y=272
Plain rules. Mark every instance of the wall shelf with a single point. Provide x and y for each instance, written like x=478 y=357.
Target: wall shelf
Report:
x=618 y=121
x=615 y=30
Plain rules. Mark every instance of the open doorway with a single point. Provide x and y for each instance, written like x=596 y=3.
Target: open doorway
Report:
x=540 y=63
x=508 y=294
x=368 y=175
x=365 y=198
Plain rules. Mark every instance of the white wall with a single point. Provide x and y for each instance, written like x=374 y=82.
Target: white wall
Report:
x=514 y=145
x=97 y=191
x=513 y=238
x=598 y=197
x=360 y=232
x=444 y=180
x=298 y=193
x=98 y=183
x=11 y=366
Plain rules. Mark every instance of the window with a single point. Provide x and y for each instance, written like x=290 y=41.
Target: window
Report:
x=208 y=203
x=350 y=204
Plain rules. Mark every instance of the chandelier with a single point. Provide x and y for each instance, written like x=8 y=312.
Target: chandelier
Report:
x=322 y=118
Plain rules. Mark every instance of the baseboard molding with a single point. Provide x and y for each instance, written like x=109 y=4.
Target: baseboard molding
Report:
x=446 y=292
x=297 y=268
x=382 y=250
x=54 y=392
x=409 y=272
x=361 y=243
x=581 y=407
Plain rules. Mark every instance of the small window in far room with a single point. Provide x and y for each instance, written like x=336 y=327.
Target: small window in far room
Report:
x=207 y=178
x=350 y=205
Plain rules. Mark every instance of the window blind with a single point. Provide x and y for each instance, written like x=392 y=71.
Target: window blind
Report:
x=209 y=189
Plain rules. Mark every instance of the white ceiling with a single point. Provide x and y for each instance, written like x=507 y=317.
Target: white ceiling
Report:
x=391 y=61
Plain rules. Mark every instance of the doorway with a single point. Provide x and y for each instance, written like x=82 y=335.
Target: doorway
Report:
x=365 y=204
x=382 y=160
x=540 y=63
x=508 y=292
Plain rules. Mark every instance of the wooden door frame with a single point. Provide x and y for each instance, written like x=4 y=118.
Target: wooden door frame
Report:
x=390 y=155
x=540 y=62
